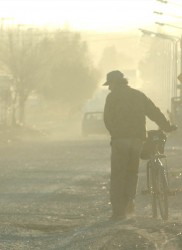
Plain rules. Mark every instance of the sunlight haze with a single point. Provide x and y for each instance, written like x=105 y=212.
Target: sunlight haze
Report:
x=100 y=15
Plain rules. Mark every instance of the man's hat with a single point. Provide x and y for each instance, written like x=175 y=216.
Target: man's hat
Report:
x=114 y=77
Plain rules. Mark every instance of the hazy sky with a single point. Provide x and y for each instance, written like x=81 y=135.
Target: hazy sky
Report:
x=99 y=15
x=105 y=15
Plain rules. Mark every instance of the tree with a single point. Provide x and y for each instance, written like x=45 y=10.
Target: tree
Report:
x=19 y=52
x=56 y=64
x=71 y=77
x=114 y=59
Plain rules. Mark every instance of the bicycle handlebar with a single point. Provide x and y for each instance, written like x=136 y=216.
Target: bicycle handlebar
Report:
x=173 y=128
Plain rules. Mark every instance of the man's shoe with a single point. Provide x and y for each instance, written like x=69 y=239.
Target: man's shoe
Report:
x=116 y=217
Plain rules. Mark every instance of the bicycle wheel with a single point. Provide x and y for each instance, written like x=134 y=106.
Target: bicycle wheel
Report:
x=154 y=193
x=151 y=185
x=162 y=193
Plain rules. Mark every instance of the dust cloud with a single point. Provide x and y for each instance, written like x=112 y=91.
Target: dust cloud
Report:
x=71 y=84
x=136 y=55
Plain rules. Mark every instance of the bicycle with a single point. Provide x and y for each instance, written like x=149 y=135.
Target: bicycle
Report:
x=157 y=178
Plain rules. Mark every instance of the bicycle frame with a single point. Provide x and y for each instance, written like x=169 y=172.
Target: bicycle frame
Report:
x=155 y=164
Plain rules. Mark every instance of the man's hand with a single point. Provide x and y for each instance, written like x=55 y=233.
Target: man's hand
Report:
x=172 y=128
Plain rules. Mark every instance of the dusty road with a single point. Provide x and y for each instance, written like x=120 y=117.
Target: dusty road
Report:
x=55 y=195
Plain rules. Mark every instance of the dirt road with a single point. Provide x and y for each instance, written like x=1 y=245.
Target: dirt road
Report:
x=55 y=195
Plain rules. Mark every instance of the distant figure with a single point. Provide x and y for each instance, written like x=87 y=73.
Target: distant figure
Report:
x=125 y=118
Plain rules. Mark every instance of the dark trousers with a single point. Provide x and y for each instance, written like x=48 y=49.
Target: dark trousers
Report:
x=125 y=155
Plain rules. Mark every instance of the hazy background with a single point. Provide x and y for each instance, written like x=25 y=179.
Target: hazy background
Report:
x=54 y=57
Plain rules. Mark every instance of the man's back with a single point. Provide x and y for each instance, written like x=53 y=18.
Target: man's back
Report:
x=126 y=110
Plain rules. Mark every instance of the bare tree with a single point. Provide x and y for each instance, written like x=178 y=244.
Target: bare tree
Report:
x=19 y=52
x=56 y=64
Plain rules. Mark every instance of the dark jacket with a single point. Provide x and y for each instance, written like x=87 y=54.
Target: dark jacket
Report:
x=126 y=110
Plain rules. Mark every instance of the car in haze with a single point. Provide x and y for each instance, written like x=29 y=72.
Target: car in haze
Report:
x=93 y=124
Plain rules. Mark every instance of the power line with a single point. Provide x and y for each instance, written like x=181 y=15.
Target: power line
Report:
x=168 y=14
x=165 y=2
x=162 y=1
x=177 y=4
x=170 y=25
x=160 y=35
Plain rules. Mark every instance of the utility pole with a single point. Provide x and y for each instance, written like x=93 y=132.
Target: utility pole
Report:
x=176 y=101
x=181 y=53
x=176 y=27
x=180 y=76
x=168 y=72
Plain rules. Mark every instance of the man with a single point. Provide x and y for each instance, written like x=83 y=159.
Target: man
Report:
x=125 y=115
